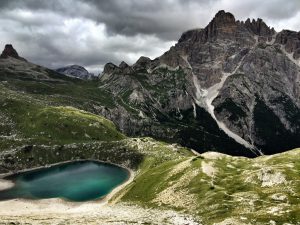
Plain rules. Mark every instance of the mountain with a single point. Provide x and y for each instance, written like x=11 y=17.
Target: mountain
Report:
x=231 y=87
x=75 y=71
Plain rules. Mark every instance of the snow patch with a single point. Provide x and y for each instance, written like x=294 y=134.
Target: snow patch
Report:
x=142 y=115
x=211 y=94
x=194 y=110
x=208 y=95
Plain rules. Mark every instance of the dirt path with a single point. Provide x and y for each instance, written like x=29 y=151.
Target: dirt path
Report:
x=57 y=211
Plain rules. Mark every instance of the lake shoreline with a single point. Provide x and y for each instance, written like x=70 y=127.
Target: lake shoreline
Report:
x=4 y=175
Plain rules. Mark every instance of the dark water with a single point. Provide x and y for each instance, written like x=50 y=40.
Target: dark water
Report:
x=76 y=181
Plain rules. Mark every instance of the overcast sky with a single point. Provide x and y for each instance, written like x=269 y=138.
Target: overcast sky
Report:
x=90 y=33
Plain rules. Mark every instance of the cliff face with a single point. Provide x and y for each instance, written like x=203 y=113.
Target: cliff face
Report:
x=232 y=86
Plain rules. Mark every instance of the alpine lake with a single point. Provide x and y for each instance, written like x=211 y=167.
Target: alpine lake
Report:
x=74 y=181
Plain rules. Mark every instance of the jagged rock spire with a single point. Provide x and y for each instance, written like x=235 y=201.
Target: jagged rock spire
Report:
x=223 y=18
x=259 y=27
x=222 y=25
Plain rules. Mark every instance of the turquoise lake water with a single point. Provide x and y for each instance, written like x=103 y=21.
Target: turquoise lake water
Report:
x=76 y=181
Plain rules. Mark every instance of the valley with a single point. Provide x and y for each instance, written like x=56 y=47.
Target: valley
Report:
x=209 y=131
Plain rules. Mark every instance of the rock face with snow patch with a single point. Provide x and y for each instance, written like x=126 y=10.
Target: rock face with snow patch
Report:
x=76 y=71
x=232 y=87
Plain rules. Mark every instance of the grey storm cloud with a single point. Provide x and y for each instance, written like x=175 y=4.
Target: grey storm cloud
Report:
x=93 y=32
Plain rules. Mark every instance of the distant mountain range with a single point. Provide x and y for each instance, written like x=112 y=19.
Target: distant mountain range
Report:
x=232 y=87
x=76 y=72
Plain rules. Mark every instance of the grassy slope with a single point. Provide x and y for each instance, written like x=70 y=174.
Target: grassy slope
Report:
x=39 y=123
x=238 y=189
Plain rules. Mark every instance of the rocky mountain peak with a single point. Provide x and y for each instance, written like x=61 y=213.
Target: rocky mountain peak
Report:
x=224 y=26
x=223 y=18
x=142 y=63
x=123 y=65
x=110 y=68
x=78 y=67
x=9 y=51
x=143 y=60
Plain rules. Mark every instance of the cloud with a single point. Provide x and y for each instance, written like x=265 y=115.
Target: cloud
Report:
x=166 y=19
x=93 y=32
x=65 y=40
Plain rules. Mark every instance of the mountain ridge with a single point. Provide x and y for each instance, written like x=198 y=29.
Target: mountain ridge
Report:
x=210 y=58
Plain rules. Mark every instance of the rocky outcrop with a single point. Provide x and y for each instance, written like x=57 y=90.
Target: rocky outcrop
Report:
x=9 y=51
x=123 y=65
x=291 y=42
